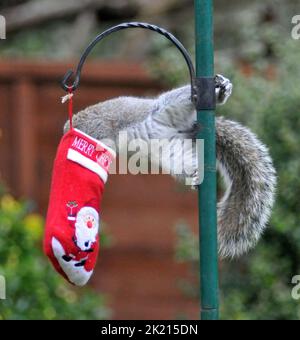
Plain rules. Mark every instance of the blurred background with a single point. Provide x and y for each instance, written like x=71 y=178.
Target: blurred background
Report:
x=149 y=260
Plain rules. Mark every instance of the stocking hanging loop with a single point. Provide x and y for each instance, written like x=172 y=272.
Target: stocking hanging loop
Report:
x=76 y=76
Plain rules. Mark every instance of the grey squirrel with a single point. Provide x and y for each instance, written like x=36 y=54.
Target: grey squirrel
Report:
x=243 y=161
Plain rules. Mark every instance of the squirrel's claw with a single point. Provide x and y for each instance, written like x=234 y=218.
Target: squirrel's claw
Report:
x=223 y=89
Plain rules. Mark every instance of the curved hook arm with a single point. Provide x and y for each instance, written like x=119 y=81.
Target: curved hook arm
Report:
x=120 y=27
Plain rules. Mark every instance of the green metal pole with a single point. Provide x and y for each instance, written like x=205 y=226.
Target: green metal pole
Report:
x=207 y=190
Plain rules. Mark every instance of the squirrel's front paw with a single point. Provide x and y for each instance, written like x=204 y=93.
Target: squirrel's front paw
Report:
x=223 y=89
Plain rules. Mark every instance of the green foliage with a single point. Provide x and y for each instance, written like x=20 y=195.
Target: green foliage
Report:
x=258 y=286
x=34 y=290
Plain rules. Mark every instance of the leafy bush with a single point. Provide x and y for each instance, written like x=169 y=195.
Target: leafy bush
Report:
x=34 y=290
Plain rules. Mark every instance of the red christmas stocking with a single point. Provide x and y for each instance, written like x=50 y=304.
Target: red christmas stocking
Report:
x=71 y=237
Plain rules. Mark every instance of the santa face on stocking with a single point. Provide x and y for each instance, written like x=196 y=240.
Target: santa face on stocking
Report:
x=86 y=228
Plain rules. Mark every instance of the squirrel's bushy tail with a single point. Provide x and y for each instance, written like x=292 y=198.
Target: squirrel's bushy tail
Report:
x=250 y=177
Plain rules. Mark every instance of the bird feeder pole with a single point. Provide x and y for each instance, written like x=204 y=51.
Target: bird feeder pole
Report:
x=208 y=188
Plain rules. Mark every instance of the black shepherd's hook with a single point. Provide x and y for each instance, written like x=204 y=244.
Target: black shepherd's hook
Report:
x=70 y=74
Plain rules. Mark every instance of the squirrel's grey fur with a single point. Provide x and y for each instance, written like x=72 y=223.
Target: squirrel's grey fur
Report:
x=243 y=160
